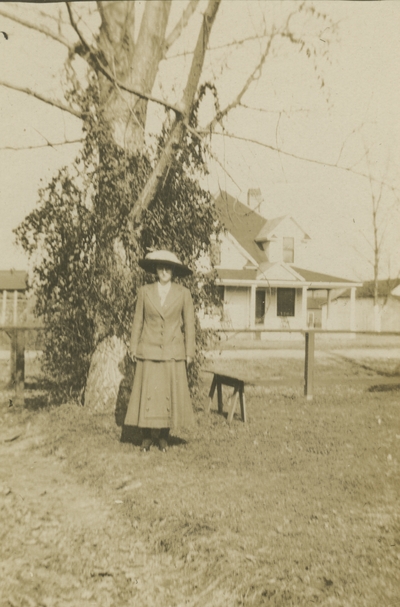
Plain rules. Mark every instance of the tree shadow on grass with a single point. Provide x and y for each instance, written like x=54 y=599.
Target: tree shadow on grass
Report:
x=36 y=402
x=129 y=434
x=385 y=388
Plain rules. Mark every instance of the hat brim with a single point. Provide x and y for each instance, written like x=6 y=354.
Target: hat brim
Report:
x=150 y=265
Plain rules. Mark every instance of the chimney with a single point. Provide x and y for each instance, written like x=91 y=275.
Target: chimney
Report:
x=254 y=199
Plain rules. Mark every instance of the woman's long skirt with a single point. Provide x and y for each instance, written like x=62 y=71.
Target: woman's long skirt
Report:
x=160 y=395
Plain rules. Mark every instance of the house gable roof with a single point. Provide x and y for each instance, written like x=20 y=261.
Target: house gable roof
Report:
x=246 y=226
x=13 y=280
x=242 y=222
x=311 y=276
x=278 y=271
x=270 y=225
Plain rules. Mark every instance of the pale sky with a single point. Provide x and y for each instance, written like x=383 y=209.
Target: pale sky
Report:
x=361 y=110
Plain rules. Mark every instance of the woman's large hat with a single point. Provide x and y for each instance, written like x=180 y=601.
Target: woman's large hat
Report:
x=153 y=259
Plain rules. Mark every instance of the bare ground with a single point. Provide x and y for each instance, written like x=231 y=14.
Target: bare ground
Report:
x=298 y=507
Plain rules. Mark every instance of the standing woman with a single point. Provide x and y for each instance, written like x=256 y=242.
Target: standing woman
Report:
x=162 y=345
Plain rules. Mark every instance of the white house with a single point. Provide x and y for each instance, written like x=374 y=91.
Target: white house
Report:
x=261 y=274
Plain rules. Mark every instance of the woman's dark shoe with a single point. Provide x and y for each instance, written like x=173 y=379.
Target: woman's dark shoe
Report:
x=163 y=445
x=146 y=444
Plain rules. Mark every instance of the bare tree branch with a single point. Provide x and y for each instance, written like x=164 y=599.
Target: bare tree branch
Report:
x=222 y=46
x=42 y=29
x=76 y=28
x=280 y=112
x=97 y=64
x=150 y=189
x=53 y=102
x=299 y=157
x=223 y=167
x=100 y=8
x=253 y=76
x=58 y=20
x=180 y=26
x=41 y=145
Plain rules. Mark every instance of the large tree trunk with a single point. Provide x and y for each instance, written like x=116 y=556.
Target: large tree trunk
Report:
x=137 y=65
x=134 y=64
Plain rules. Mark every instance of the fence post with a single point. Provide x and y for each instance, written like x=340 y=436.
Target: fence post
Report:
x=13 y=357
x=18 y=364
x=309 y=365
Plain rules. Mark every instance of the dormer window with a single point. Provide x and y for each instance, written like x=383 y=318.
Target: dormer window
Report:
x=288 y=249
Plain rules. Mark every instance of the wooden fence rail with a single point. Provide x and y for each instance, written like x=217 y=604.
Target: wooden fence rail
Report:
x=17 y=335
x=309 y=337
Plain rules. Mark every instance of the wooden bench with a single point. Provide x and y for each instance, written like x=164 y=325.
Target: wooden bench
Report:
x=237 y=384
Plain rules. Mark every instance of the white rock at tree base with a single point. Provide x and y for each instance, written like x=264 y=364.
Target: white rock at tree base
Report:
x=105 y=375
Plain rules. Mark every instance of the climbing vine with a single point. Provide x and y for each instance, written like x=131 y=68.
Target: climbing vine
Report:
x=85 y=249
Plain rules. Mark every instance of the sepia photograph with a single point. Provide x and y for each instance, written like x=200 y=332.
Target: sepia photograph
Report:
x=200 y=303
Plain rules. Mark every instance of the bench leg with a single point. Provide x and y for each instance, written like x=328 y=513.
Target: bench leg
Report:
x=219 y=392
x=211 y=394
x=243 y=404
x=233 y=399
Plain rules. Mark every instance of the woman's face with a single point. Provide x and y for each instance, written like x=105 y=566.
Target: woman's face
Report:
x=164 y=273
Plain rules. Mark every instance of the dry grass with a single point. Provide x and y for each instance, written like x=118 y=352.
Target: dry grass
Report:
x=295 y=341
x=298 y=507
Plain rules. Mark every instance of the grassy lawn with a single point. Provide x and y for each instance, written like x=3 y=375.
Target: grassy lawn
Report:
x=295 y=341
x=298 y=507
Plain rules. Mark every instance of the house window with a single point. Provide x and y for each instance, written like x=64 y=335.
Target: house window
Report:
x=286 y=302
x=288 y=249
x=260 y=306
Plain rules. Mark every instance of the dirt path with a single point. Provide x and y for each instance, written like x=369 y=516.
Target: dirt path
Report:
x=48 y=524
x=61 y=544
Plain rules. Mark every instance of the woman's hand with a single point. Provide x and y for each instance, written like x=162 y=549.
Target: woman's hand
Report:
x=132 y=357
x=189 y=360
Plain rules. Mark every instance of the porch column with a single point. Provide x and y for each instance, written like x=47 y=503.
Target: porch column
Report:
x=15 y=311
x=252 y=311
x=328 y=309
x=304 y=308
x=4 y=308
x=353 y=309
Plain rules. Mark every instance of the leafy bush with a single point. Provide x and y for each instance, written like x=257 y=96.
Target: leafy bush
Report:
x=85 y=248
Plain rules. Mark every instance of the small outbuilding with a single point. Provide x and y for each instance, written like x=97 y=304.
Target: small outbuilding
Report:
x=13 y=287
x=385 y=316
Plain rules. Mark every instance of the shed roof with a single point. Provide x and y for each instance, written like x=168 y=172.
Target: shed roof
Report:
x=385 y=287
x=13 y=280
